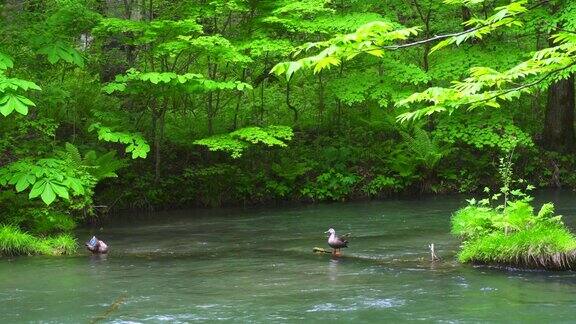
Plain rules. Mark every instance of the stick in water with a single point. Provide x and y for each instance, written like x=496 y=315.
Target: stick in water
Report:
x=114 y=306
x=433 y=256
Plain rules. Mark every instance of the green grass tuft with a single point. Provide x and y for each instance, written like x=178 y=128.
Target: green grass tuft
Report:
x=15 y=242
x=63 y=244
x=515 y=237
x=536 y=247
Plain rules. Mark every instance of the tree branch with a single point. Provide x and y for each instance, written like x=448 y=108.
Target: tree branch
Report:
x=445 y=36
x=524 y=86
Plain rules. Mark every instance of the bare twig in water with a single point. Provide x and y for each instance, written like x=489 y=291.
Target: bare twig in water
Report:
x=433 y=256
x=113 y=307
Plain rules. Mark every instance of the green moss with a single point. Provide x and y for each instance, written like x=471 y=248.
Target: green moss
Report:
x=515 y=237
x=15 y=242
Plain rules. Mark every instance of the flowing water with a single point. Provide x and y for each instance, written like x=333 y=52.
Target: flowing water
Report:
x=257 y=265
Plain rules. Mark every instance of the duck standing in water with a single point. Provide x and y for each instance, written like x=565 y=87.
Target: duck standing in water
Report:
x=96 y=246
x=336 y=242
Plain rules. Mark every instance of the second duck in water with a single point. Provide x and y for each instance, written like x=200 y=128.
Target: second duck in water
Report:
x=96 y=246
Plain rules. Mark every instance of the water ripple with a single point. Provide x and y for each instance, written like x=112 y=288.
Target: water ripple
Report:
x=370 y=303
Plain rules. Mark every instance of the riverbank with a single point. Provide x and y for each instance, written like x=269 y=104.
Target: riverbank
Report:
x=321 y=166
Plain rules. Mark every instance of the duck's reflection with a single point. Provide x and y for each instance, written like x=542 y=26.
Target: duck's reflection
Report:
x=98 y=258
x=333 y=265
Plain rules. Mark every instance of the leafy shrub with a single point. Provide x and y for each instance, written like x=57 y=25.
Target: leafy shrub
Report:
x=68 y=177
x=239 y=140
x=47 y=221
x=338 y=157
x=286 y=177
x=215 y=184
x=472 y=222
x=381 y=184
x=417 y=156
x=331 y=185
x=511 y=233
x=424 y=149
x=482 y=132
x=48 y=179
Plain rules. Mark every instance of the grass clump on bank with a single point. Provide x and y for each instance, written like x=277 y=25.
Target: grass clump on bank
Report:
x=515 y=236
x=15 y=242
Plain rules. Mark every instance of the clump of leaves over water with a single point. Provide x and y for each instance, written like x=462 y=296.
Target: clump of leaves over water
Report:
x=511 y=233
x=15 y=242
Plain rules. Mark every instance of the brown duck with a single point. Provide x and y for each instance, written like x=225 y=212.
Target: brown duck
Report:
x=336 y=242
x=96 y=246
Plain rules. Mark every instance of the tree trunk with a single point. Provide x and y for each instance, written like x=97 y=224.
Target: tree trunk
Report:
x=157 y=147
x=156 y=139
x=321 y=105
x=261 y=113
x=210 y=114
x=466 y=15
x=290 y=106
x=558 y=132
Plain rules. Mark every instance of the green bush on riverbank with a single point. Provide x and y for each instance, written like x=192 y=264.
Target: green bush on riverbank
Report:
x=15 y=242
x=515 y=236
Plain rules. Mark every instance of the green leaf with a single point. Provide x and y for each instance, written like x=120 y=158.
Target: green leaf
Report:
x=37 y=189
x=279 y=68
x=48 y=196
x=292 y=67
x=136 y=144
x=60 y=190
x=59 y=51
x=22 y=183
x=31 y=179
x=19 y=105
x=76 y=185
x=325 y=63
x=5 y=108
x=236 y=142
x=113 y=87
x=11 y=102
x=5 y=62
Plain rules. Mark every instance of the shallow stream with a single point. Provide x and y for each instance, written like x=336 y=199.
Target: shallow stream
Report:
x=257 y=265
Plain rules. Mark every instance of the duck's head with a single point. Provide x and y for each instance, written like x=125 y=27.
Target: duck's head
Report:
x=330 y=231
x=92 y=243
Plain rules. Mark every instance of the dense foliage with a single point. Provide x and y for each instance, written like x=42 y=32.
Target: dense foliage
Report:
x=160 y=104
